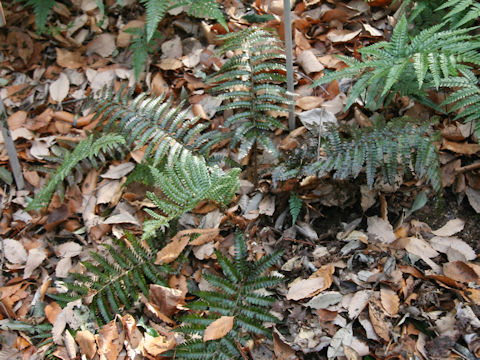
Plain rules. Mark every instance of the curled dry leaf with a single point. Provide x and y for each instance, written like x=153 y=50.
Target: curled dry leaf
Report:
x=219 y=328
x=173 y=249
x=390 y=300
x=282 y=350
x=169 y=301
x=473 y=198
x=109 y=341
x=309 y=62
x=86 y=341
x=342 y=35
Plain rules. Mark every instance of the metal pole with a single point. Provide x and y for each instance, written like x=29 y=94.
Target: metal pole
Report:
x=11 y=150
x=287 y=26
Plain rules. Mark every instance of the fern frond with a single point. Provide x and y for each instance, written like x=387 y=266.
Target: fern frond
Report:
x=399 y=144
x=248 y=309
x=114 y=282
x=184 y=185
x=88 y=148
x=41 y=9
x=252 y=83
x=397 y=66
x=207 y=9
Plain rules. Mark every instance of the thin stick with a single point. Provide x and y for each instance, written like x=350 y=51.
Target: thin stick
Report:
x=287 y=26
x=11 y=150
x=470 y=167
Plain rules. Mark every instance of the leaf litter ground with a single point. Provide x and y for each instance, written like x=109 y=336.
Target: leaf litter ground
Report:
x=361 y=279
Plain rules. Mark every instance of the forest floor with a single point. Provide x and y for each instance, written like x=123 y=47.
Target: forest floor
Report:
x=361 y=280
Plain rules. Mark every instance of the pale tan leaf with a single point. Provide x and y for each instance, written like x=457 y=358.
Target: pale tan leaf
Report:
x=103 y=45
x=309 y=62
x=219 y=328
x=450 y=228
x=358 y=302
x=445 y=244
x=170 y=64
x=59 y=88
x=473 y=198
x=14 y=251
x=35 y=258
x=68 y=249
x=69 y=59
x=305 y=288
x=336 y=35
x=381 y=230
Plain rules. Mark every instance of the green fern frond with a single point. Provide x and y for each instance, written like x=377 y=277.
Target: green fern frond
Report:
x=41 y=9
x=408 y=66
x=252 y=83
x=399 y=144
x=184 y=185
x=295 y=206
x=155 y=12
x=231 y=298
x=116 y=280
x=153 y=122
x=88 y=148
x=207 y=9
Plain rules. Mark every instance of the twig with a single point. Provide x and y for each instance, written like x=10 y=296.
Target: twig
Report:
x=11 y=150
x=470 y=167
x=287 y=26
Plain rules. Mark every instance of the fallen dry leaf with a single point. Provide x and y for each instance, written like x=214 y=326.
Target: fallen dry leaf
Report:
x=59 y=88
x=169 y=301
x=460 y=271
x=86 y=341
x=473 y=198
x=305 y=288
x=158 y=345
x=309 y=62
x=35 y=258
x=172 y=250
x=460 y=148
x=381 y=230
x=219 y=328
x=14 y=251
x=446 y=244
x=69 y=59
x=390 y=300
x=342 y=35
x=358 y=302
x=450 y=228
x=103 y=45
x=109 y=341
x=379 y=321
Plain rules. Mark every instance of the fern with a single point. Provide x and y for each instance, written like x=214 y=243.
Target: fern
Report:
x=238 y=294
x=466 y=97
x=460 y=12
x=295 y=204
x=184 y=185
x=408 y=67
x=88 y=148
x=141 y=48
x=41 y=9
x=115 y=281
x=399 y=143
x=156 y=10
x=153 y=122
x=252 y=84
